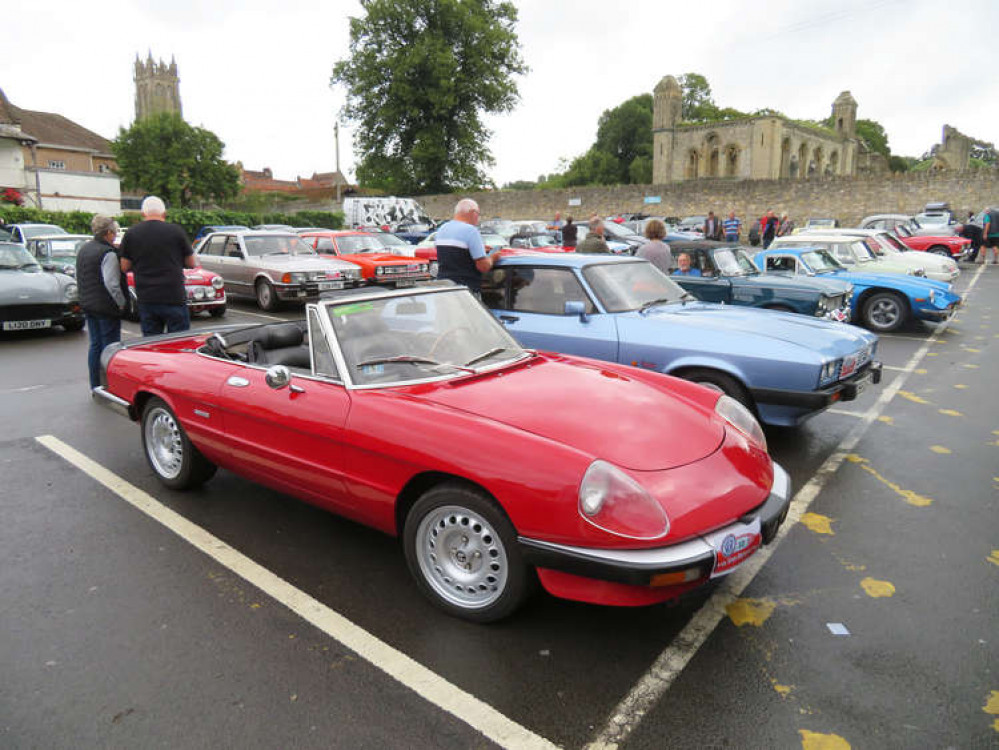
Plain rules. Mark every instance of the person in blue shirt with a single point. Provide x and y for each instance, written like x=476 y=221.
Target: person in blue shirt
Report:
x=683 y=266
x=461 y=256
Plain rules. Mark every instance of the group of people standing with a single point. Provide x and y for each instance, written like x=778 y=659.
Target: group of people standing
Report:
x=156 y=253
x=762 y=231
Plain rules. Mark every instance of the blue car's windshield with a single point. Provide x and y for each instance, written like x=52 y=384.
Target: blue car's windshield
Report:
x=734 y=262
x=621 y=287
x=820 y=261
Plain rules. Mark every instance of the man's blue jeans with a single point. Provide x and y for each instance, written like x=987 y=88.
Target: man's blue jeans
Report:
x=154 y=319
x=102 y=331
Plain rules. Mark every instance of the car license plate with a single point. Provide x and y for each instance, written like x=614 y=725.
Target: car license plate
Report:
x=26 y=325
x=838 y=315
x=733 y=545
x=849 y=366
x=404 y=282
x=327 y=285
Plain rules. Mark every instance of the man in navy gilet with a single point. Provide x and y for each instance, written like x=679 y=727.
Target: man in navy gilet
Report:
x=461 y=256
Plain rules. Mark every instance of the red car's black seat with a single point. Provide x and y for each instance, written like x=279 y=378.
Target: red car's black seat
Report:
x=281 y=344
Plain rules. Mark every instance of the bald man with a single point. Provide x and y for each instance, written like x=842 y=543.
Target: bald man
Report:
x=461 y=256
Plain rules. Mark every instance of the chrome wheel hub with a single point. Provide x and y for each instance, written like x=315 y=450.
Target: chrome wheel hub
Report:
x=461 y=557
x=163 y=444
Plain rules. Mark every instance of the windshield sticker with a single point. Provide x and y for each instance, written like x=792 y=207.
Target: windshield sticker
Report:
x=357 y=307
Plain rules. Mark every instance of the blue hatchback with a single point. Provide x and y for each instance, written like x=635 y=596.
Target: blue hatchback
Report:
x=786 y=367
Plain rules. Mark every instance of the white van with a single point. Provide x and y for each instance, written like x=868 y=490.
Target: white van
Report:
x=380 y=211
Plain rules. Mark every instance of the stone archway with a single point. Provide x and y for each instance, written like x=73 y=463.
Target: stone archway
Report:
x=785 y=158
x=731 y=160
x=815 y=168
x=691 y=169
x=802 y=160
x=833 y=166
x=713 y=155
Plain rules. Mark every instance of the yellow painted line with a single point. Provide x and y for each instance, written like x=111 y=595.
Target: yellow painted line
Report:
x=912 y=498
x=950 y=412
x=941 y=450
x=994 y=557
x=913 y=397
x=878 y=589
x=818 y=523
x=628 y=713
x=430 y=686
x=750 y=611
x=817 y=741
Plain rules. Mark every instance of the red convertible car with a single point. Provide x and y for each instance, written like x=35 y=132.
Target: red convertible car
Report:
x=368 y=251
x=950 y=246
x=415 y=412
x=205 y=292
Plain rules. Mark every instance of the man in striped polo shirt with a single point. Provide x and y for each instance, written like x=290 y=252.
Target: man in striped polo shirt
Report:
x=732 y=227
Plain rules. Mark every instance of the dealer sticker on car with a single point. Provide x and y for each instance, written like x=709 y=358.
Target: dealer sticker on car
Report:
x=733 y=545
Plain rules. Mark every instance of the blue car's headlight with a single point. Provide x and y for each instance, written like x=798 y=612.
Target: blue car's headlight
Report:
x=829 y=370
x=933 y=296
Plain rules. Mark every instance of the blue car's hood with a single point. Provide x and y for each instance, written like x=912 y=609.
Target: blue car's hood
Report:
x=749 y=324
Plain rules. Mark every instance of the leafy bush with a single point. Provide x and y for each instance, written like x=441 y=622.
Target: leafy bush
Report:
x=78 y=222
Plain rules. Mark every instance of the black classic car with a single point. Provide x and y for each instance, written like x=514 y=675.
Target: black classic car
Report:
x=726 y=273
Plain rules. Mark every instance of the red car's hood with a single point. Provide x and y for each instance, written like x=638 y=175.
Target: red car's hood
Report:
x=198 y=276
x=385 y=259
x=632 y=424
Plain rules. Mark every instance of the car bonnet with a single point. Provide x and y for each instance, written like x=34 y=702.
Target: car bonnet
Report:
x=592 y=408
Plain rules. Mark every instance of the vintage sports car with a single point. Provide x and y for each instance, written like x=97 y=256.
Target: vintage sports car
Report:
x=882 y=302
x=729 y=276
x=784 y=367
x=415 y=412
x=950 y=245
x=273 y=267
x=57 y=252
x=205 y=293
x=856 y=253
x=367 y=251
x=32 y=299
x=887 y=247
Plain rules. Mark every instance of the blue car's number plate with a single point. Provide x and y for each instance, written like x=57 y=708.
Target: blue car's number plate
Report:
x=26 y=325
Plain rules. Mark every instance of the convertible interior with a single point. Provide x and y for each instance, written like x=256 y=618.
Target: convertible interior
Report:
x=272 y=344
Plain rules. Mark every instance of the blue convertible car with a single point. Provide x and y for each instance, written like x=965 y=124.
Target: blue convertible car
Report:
x=881 y=301
x=786 y=367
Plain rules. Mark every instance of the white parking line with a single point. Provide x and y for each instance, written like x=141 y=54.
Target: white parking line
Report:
x=466 y=707
x=628 y=714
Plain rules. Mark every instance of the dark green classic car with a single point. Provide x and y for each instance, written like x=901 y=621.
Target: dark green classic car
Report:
x=729 y=276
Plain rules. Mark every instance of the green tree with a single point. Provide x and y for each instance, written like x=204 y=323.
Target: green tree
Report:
x=625 y=133
x=696 y=103
x=873 y=134
x=419 y=76
x=163 y=155
x=595 y=167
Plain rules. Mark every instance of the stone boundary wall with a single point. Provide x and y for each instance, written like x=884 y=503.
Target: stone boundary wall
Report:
x=848 y=199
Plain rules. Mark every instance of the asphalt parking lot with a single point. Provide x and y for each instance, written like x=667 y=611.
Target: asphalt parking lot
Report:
x=239 y=617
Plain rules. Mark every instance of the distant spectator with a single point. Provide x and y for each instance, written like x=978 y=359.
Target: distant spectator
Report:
x=683 y=267
x=754 y=234
x=569 y=233
x=157 y=253
x=732 y=227
x=786 y=226
x=712 y=228
x=768 y=227
x=102 y=291
x=655 y=250
x=972 y=232
x=990 y=236
x=594 y=242
x=556 y=227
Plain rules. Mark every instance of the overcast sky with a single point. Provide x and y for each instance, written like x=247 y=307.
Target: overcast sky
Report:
x=256 y=72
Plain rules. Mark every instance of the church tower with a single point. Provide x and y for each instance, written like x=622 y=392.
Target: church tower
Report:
x=844 y=114
x=666 y=106
x=157 y=88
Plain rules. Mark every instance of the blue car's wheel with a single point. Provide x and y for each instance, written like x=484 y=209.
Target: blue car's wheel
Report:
x=885 y=312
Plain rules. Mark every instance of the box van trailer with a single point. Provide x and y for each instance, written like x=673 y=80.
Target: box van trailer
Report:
x=383 y=211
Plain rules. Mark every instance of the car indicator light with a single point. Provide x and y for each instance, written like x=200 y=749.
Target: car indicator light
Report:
x=672 y=579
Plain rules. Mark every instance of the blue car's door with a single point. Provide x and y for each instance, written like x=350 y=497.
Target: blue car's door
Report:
x=531 y=301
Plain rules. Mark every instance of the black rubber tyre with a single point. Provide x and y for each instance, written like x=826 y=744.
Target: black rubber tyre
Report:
x=462 y=550
x=266 y=296
x=939 y=250
x=217 y=312
x=73 y=325
x=169 y=452
x=885 y=312
x=723 y=382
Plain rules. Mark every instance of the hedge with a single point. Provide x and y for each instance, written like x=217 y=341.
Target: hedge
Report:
x=78 y=222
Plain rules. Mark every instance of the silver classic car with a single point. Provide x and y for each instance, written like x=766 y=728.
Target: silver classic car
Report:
x=273 y=267
x=31 y=298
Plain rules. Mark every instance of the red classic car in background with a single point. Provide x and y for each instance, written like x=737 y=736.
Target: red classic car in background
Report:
x=415 y=412
x=368 y=251
x=949 y=245
x=205 y=291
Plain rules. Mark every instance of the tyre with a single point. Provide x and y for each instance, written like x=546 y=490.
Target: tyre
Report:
x=722 y=382
x=73 y=325
x=462 y=550
x=266 y=296
x=171 y=455
x=884 y=312
x=217 y=312
x=939 y=250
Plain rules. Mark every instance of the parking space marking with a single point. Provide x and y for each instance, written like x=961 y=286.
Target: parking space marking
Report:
x=432 y=687
x=628 y=714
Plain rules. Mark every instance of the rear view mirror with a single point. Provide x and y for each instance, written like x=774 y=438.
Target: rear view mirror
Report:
x=575 y=307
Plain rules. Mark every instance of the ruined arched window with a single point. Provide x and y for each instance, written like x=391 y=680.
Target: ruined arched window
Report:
x=833 y=167
x=816 y=167
x=802 y=160
x=711 y=150
x=785 y=158
x=731 y=160
x=792 y=167
x=691 y=169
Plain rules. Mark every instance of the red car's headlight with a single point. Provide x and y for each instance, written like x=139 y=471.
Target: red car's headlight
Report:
x=218 y=282
x=741 y=419
x=614 y=502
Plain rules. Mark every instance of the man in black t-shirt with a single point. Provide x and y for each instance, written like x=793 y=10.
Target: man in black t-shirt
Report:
x=157 y=253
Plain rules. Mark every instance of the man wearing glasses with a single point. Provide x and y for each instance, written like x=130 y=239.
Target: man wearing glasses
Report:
x=461 y=256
